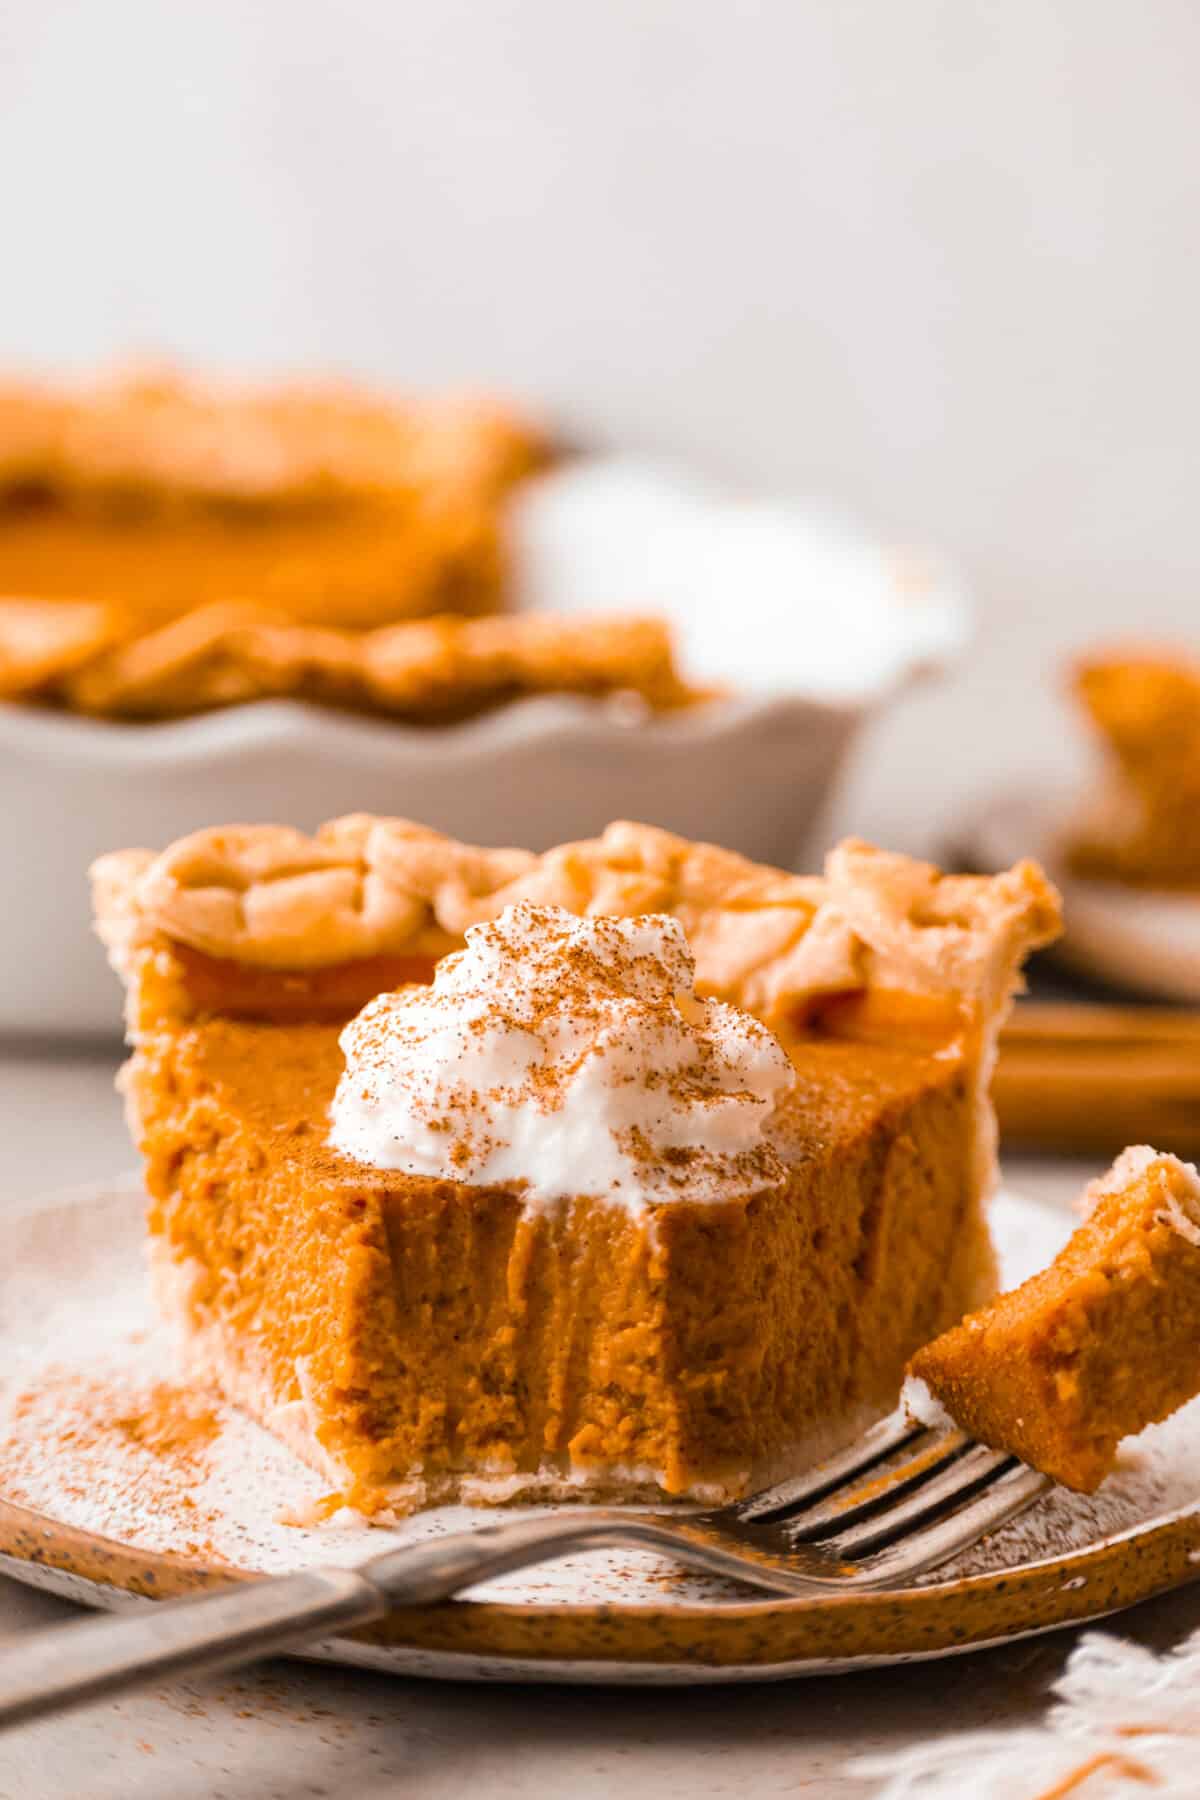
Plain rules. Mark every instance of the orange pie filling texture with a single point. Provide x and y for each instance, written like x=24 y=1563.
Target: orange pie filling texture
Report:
x=1093 y=1348
x=412 y=1337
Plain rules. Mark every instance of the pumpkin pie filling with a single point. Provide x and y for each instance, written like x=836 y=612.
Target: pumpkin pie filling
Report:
x=418 y=1335
x=1098 y=1345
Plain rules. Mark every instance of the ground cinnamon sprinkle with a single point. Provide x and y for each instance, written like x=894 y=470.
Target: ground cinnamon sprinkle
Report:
x=174 y=1422
x=1106 y=1762
x=165 y=1420
x=145 y=1445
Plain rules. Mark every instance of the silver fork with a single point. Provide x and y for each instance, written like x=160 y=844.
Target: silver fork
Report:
x=902 y=1499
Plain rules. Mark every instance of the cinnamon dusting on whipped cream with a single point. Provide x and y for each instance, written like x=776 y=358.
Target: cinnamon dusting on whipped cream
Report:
x=560 y=1056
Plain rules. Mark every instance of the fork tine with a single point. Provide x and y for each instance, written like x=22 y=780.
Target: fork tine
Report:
x=889 y=1435
x=1013 y=1493
x=942 y=1489
x=880 y=1491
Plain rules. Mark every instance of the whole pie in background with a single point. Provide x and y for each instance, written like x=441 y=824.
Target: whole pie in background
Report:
x=169 y=544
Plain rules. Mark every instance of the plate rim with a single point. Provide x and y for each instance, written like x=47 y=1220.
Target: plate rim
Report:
x=861 y=1629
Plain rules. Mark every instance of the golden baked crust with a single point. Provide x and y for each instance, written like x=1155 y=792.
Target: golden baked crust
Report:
x=160 y=439
x=428 y=671
x=1094 y=1347
x=40 y=644
x=1142 y=824
x=366 y=887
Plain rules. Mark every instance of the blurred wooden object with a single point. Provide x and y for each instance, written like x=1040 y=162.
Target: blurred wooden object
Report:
x=1093 y=1078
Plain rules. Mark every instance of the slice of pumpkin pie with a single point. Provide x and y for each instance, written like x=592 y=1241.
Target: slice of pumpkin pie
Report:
x=633 y=1169
x=1099 y=1345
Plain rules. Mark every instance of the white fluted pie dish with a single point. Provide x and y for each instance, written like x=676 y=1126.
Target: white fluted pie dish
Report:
x=813 y=626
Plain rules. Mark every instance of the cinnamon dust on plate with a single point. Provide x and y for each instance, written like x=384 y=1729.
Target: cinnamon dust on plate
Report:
x=147 y=1445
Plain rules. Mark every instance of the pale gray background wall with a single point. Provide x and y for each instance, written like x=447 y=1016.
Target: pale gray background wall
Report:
x=935 y=257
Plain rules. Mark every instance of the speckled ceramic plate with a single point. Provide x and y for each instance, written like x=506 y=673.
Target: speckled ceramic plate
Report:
x=114 y=1491
x=1133 y=938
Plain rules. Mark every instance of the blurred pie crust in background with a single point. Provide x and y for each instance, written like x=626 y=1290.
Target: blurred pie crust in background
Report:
x=411 y=1334
x=424 y=671
x=169 y=544
x=1141 y=825
x=533 y=724
x=1099 y=1061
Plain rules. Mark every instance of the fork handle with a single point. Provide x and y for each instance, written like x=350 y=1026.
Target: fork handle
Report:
x=70 y=1665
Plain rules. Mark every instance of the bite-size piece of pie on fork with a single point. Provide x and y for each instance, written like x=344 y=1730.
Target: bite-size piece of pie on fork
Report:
x=1094 y=1347
x=652 y=1192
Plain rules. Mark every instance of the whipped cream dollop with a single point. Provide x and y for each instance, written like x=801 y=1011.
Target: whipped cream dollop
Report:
x=560 y=1056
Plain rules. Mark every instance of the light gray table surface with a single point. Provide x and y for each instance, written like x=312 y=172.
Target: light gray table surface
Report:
x=296 y=1732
